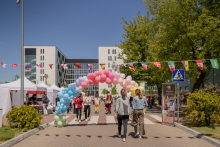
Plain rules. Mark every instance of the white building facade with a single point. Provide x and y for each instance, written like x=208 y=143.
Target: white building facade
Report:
x=45 y=55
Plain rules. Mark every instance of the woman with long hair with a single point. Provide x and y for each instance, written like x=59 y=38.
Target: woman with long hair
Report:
x=78 y=105
x=139 y=103
x=87 y=102
x=122 y=113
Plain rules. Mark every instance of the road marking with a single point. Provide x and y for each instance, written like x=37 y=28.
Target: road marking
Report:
x=94 y=120
x=73 y=122
x=52 y=123
x=157 y=117
x=147 y=121
x=110 y=120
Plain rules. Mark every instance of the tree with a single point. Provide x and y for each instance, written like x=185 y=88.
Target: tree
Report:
x=114 y=90
x=104 y=91
x=84 y=90
x=16 y=77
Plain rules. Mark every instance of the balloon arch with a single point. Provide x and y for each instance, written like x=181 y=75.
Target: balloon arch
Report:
x=104 y=76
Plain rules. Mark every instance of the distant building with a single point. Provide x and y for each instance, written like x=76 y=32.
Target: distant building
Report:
x=3 y=82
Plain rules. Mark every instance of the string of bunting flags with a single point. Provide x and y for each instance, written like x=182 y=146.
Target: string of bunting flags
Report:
x=171 y=65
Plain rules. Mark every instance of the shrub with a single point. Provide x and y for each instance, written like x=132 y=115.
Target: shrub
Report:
x=24 y=117
x=203 y=108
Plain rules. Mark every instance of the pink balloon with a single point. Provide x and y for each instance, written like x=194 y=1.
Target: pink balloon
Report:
x=122 y=76
x=120 y=81
x=86 y=80
x=129 y=77
x=91 y=81
x=127 y=82
x=77 y=89
x=74 y=85
x=124 y=85
x=103 y=77
x=128 y=87
x=92 y=76
x=84 y=84
x=111 y=76
x=96 y=84
x=108 y=81
x=80 y=91
x=115 y=81
x=101 y=72
x=117 y=75
x=106 y=73
x=102 y=81
x=97 y=79
x=88 y=75
x=132 y=82
x=97 y=73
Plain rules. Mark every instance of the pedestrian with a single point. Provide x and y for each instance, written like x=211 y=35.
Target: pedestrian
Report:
x=87 y=102
x=131 y=106
x=78 y=105
x=57 y=99
x=73 y=106
x=108 y=103
x=69 y=109
x=115 y=99
x=139 y=103
x=148 y=101
x=26 y=99
x=122 y=113
x=96 y=101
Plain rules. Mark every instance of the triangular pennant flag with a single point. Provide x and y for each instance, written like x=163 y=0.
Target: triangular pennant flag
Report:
x=157 y=64
x=1 y=63
x=89 y=66
x=4 y=65
x=27 y=65
x=39 y=65
x=102 y=66
x=200 y=64
x=144 y=64
x=171 y=66
x=64 y=66
x=185 y=65
x=29 y=69
x=51 y=65
x=14 y=65
x=214 y=63
x=116 y=66
x=78 y=65
x=130 y=65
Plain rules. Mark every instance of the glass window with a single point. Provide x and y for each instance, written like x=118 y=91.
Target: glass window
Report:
x=40 y=78
x=115 y=58
x=40 y=71
x=43 y=71
x=43 y=51
x=40 y=51
x=109 y=58
x=43 y=58
x=113 y=51
x=43 y=64
x=108 y=51
x=110 y=86
x=40 y=58
x=43 y=78
x=108 y=65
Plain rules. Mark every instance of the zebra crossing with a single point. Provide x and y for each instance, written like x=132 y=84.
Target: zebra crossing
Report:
x=108 y=120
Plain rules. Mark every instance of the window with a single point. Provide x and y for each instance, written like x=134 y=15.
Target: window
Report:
x=40 y=58
x=43 y=51
x=43 y=78
x=108 y=65
x=113 y=51
x=187 y=88
x=43 y=71
x=40 y=71
x=115 y=58
x=40 y=78
x=40 y=51
x=43 y=58
x=43 y=64
x=109 y=58
x=108 y=51
x=110 y=86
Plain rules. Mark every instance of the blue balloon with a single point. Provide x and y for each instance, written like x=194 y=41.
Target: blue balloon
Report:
x=63 y=111
x=62 y=100
x=64 y=108
x=70 y=93
x=60 y=94
x=58 y=102
x=57 y=113
x=57 y=108
x=65 y=96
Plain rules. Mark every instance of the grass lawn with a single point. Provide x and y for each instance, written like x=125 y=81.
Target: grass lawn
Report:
x=208 y=131
x=7 y=133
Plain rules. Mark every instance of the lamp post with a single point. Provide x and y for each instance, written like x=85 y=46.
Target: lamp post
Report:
x=12 y=77
x=22 y=51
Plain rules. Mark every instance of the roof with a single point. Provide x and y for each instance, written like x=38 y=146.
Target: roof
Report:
x=82 y=60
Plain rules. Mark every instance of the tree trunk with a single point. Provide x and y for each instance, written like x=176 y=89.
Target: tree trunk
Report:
x=199 y=81
x=159 y=87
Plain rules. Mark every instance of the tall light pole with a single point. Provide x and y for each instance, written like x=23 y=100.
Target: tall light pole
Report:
x=12 y=77
x=22 y=50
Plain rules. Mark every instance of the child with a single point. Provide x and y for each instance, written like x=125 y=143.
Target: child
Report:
x=96 y=101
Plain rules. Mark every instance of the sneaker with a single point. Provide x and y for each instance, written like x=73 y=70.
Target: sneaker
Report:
x=137 y=134
x=118 y=135
x=123 y=139
x=86 y=119
x=79 y=120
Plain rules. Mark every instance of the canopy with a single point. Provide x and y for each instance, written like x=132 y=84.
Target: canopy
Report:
x=5 y=101
x=57 y=88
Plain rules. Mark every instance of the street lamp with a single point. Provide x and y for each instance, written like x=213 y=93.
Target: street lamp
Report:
x=22 y=50
x=12 y=77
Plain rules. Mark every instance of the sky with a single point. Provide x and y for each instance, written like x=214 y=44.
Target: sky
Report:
x=76 y=27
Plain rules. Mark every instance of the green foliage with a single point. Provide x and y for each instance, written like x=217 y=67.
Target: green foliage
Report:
x=24 y=117
x=16 y=77
x=104 y=91
x=203 y=108
x=7 y=133
x=114 y=90
x=84 y=90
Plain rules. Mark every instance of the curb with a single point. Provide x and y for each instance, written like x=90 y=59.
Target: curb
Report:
x=21 y=137
x=197 y=134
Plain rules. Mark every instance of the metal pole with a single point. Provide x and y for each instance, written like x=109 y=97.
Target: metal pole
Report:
x=22 y=53
x=178 y=102
x=12 y=77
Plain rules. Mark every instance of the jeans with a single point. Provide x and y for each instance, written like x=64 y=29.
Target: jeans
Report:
x=87 y=108
x=138 y=121
x=78 y=113
x=125 y=123
x=148 y=104
x=97 y=107
x=151 y=105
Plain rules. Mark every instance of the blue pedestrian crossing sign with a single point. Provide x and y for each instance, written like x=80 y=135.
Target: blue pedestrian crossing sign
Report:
x=178 y=75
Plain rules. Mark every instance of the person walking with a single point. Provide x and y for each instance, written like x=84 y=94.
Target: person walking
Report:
x=78 y=105
x=57 y=99
x=148 y=101
x=108 y=103
x=122 y=113
x=152 y=102
x=96 y=101
x=139 y=103
x=87 y=102
x=73 y=106
x=115 y=99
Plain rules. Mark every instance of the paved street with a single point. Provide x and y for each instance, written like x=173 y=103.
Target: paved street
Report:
x=102 y=129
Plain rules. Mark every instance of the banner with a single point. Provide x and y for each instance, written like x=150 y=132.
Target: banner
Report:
x=168 y=103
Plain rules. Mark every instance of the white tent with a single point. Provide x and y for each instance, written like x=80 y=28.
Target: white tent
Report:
x=51 y=93
x=57 y=88
x=5 y=101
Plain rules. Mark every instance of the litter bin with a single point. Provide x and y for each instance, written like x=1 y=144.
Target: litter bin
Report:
x=0 y=117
